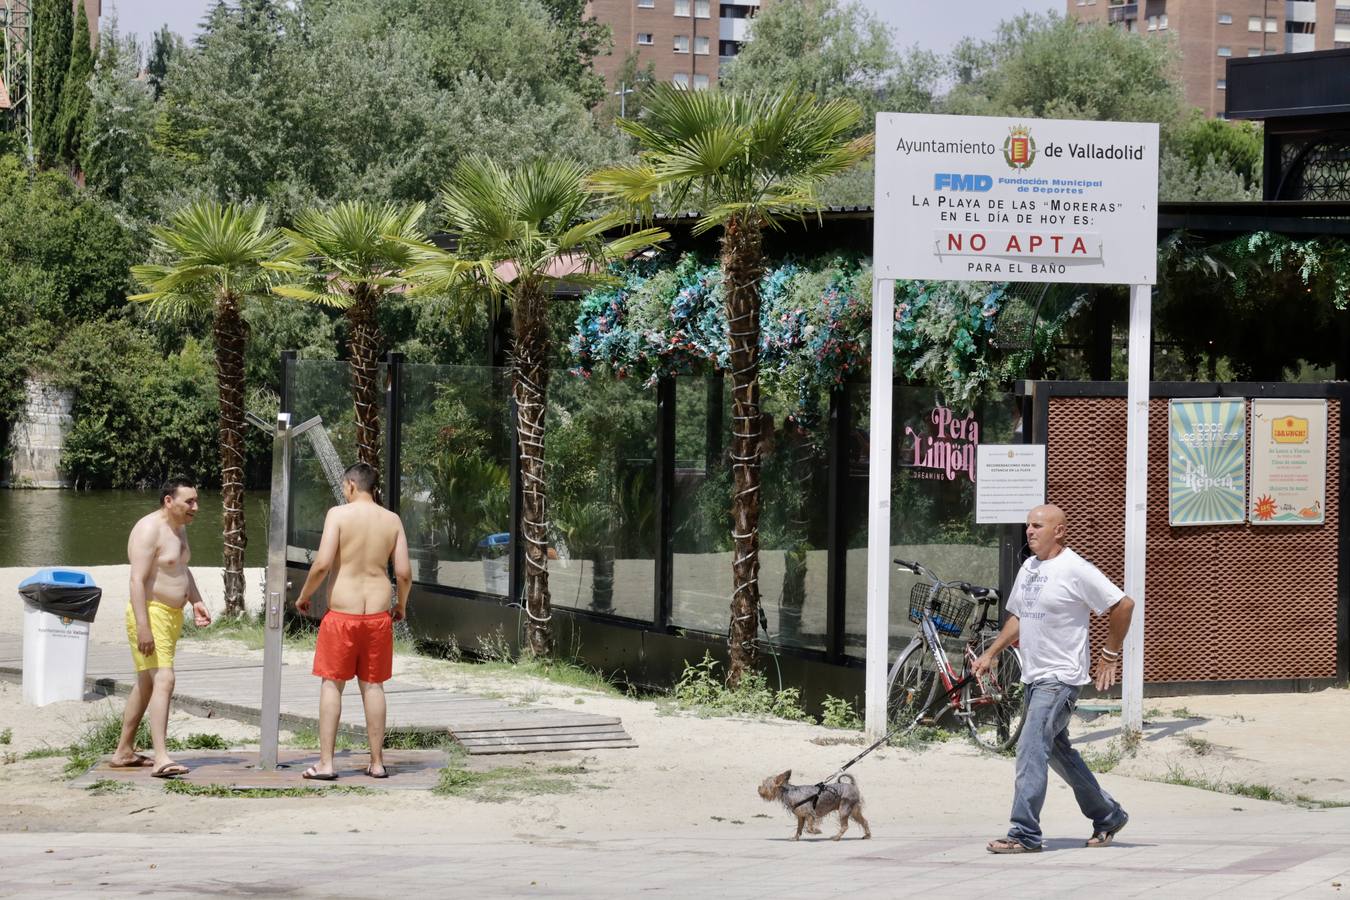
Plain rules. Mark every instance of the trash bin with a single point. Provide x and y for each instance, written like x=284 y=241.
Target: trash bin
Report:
x=494 y=550
x=58 y=606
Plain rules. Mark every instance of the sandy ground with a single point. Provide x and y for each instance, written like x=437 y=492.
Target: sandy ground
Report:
x=690 y=775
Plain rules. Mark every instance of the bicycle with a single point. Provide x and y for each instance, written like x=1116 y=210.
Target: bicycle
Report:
x=991 y=706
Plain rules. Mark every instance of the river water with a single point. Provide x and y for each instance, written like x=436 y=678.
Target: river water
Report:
x=90 y=528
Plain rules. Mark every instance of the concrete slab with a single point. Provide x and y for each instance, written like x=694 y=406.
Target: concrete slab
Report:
x=238 y=770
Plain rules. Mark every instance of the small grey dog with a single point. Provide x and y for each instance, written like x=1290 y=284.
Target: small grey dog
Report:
x=809 y=802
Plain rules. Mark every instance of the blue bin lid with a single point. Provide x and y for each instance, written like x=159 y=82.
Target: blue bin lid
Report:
x=64 y=577
x=500 y=539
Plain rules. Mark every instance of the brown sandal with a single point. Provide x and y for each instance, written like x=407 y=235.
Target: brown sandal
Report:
x=1104 y=838
x=1008 y=845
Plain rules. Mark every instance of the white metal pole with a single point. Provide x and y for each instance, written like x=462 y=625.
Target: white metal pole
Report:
x=1136 y=503
x=274 y=596
x=879 y=507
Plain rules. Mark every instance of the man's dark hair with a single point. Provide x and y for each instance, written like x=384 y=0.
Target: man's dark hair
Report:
x=170 y=487
x=363 y=476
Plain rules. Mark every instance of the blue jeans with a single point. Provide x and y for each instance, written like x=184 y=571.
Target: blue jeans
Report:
x=1045 y=743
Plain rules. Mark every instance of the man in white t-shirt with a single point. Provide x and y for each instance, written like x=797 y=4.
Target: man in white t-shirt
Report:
x=1048 y=615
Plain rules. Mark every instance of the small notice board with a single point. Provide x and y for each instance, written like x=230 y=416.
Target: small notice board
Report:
x=1009 y=482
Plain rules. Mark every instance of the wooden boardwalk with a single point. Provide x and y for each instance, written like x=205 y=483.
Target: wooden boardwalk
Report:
x=208 y=685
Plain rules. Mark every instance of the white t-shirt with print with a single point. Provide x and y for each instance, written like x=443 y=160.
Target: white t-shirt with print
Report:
x=1051 y=599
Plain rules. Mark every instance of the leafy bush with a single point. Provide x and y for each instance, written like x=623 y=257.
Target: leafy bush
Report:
x=837 y=712
x=701 y=689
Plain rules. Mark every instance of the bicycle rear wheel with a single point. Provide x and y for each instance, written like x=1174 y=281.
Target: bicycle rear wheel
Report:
x=995 y=709
x=911 y=689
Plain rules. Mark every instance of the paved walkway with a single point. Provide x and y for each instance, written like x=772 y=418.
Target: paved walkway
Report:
x=1279 y=855
x=207 y=684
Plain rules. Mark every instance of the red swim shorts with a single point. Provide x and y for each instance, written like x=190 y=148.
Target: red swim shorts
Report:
x=355 y=646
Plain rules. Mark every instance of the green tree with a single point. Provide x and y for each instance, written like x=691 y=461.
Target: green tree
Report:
x=75 y=92
x=350 y=256
x=115 y=151
x=165 y=49
x=210 y=260
x=520 y=233
x=747 y=163
x=1222 y=158
x=581 y=38
x=1052 y=67
x=53 y=23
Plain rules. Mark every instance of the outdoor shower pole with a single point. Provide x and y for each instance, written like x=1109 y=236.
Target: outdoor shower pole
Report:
x=274 y=596
x=879 y=507
x=1136 y=503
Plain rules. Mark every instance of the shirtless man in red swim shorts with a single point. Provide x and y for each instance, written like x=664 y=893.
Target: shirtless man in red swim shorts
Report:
x=356 y=637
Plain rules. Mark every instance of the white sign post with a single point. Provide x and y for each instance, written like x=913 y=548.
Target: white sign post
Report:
x=974 y=198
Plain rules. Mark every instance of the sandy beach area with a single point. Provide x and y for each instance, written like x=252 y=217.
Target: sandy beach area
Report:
x=689 y=771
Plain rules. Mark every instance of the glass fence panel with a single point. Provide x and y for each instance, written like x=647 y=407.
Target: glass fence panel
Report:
x=793 y=513
x=932 y=500
x=319 y=387
x=456 y=475
x=600 y=453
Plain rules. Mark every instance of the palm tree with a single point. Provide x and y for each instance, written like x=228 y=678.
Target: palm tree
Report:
x=748 y=163
x=212 y=258
x=350 y=256
x=520 y=232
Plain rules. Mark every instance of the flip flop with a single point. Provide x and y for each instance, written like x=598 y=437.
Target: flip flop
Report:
x=1104 y=838
x=384 y=773
x=138 y=761
x=313 y=774
x=169 y=770
x=1008 y=845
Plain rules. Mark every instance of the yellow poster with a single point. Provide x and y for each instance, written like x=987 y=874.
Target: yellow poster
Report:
x=1289 y=462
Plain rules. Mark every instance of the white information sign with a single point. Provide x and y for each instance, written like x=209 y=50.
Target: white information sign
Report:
x=1009 y=482
x=975 y=198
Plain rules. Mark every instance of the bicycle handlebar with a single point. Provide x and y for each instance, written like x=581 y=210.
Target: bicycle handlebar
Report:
x=985 y=595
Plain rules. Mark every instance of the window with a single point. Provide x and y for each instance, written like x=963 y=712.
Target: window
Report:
x=1343 y=4
x=701 y=45
x=1223 y=51
x=701 y=9
x=1343 y=33
x=681 y=7
x=1222 y=84
x=1270 y=26
x=681 y=43
x=645 y=38
x=646 y=4
x=728 y=48
x=1253 y=51
x=700 y=82
x=1225 y=18
x=1253 y=23
x=680 y=79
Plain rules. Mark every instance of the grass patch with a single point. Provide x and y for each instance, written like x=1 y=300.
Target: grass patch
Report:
x=505 y=783
x=307 y=738
x=109 y=786
x=1103 y=760
x=188 y=789
x=1197 y=745
x=6 y=736
x=921 y=738
x=407 y=739
x=1254 y=790
x=702 y=690
x=837 y=712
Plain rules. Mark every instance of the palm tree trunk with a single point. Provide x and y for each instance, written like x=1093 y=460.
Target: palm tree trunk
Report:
x=530 y=385
x=363 y=348
x=742 y=265
x=231 y=333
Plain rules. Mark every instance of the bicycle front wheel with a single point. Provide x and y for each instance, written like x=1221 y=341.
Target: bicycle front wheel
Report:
x=911 y=689
x=994 y=708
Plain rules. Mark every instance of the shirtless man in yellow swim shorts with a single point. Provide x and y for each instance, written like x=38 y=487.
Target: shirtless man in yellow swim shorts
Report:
x=161 y=585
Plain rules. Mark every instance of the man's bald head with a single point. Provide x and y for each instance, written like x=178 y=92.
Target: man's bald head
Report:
x=1047 y=530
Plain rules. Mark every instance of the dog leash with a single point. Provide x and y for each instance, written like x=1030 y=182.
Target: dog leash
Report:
x=822 y=786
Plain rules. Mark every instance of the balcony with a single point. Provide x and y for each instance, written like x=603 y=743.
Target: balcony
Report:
x=1124 y=13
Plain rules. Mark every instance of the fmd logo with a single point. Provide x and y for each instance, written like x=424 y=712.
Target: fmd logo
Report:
x=952 y=181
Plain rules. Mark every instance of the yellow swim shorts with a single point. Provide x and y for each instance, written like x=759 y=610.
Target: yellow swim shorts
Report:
x=166 y=625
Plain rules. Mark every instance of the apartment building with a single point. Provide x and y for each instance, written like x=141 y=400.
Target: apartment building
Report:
x=1210 y=32
x=686 y=41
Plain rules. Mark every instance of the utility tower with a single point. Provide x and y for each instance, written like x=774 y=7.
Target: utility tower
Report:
x=16 y=79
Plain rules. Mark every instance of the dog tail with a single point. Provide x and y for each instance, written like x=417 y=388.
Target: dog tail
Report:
x=851 y=780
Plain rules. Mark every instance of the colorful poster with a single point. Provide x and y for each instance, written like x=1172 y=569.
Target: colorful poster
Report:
x=1207 y=462
x=1289 y=462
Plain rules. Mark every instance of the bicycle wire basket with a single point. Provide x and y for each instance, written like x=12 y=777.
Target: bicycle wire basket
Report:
x=951 y=608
